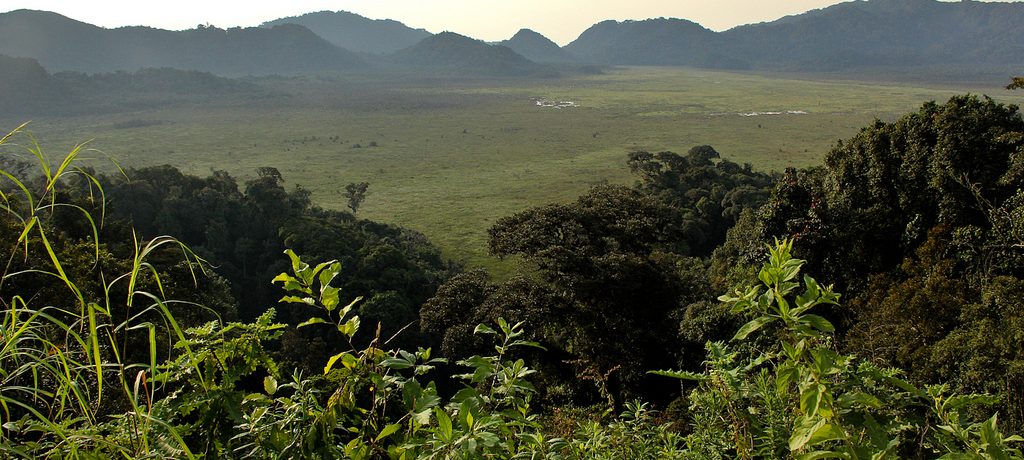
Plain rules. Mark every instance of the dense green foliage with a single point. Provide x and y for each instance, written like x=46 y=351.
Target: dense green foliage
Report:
x=121 y=343
x=919 y=222
x=625 y=262
x=242 y=231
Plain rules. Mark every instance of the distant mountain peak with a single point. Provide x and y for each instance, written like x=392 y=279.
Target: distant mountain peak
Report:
x=450 y=52
x=357 y=33
x=537 y=47
x=60 y=44
x=959 y=38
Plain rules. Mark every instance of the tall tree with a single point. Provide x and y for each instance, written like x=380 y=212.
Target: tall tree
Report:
x=355 y=193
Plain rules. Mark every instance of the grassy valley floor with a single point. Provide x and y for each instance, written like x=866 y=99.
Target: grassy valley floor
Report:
x=448 y=158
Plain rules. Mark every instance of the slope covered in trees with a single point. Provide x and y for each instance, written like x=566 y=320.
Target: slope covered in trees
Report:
x=28 y=89
x=537 y=47
x=955 y=38
x=354 y=32
x=451 y=53
x=63 y=44
x=919 y=221
x=919 y=39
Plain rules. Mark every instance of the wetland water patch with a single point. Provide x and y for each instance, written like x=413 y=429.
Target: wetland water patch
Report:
x=555 y=104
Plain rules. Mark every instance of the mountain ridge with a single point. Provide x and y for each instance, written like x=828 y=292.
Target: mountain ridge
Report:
x=63 y=44
x=850 y=35
x=536 y=47
x=449 y=52
x=357 y=33
x=859 y=37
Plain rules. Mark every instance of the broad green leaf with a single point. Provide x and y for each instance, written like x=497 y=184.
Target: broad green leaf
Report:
x=752 y=326
x=444 y=423
x=397 y=363
x=290 y=283
x=805 y=428
x=387 y=431
x=350 y=327
x=311 y=321
x=411 y=392
x=818 y=323
x=810 y=398
x=270 y=385
x=825 y=361
x=990 y=436
x=878 y=435
x=349 y=361
x=357 y=450
x=809 y=297
x=421 y=417
x=859 y=398
x=327 y=272
x=791 y=351
x=466 y=410
x=329 y=297
x=483 y=329
x=785 y=374
x=961 y=401
x=826 y=432
x=904 y=385
x=334 y=359
x=348 y=308
x=766 y=276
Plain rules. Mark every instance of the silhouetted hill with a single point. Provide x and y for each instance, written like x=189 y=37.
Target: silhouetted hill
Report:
x=24 y=83
x=26 y=88
x=357 y=33
x=857 y=38
x=448 y=52
x=60 y=44
x=651 y=42
x=850 y=36
x=537 y=47
x=893 y=33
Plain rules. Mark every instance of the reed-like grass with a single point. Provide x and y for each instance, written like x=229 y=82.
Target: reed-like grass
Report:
x=62 y=365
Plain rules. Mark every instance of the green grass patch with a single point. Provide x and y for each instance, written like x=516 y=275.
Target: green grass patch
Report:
x=449 y=158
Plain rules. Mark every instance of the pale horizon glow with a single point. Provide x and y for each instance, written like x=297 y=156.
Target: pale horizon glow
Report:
x=560 y=20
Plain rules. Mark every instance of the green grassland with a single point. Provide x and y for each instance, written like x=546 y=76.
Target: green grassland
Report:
x=448 y=157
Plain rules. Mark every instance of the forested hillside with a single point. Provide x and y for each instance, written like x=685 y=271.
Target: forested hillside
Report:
x=451 y=53
x=63 y=44
x=356 y=33
x=872 y=308
x=896 y=37
x=28 y=89
x=924 y=40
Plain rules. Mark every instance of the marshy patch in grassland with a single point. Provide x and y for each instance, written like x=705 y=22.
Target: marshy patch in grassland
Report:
x=555 y=104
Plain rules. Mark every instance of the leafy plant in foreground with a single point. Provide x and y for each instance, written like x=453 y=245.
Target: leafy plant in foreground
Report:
x=68 y=386
x=803 y=399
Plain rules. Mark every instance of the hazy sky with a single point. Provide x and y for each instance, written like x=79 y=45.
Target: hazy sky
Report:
x=559 y=20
